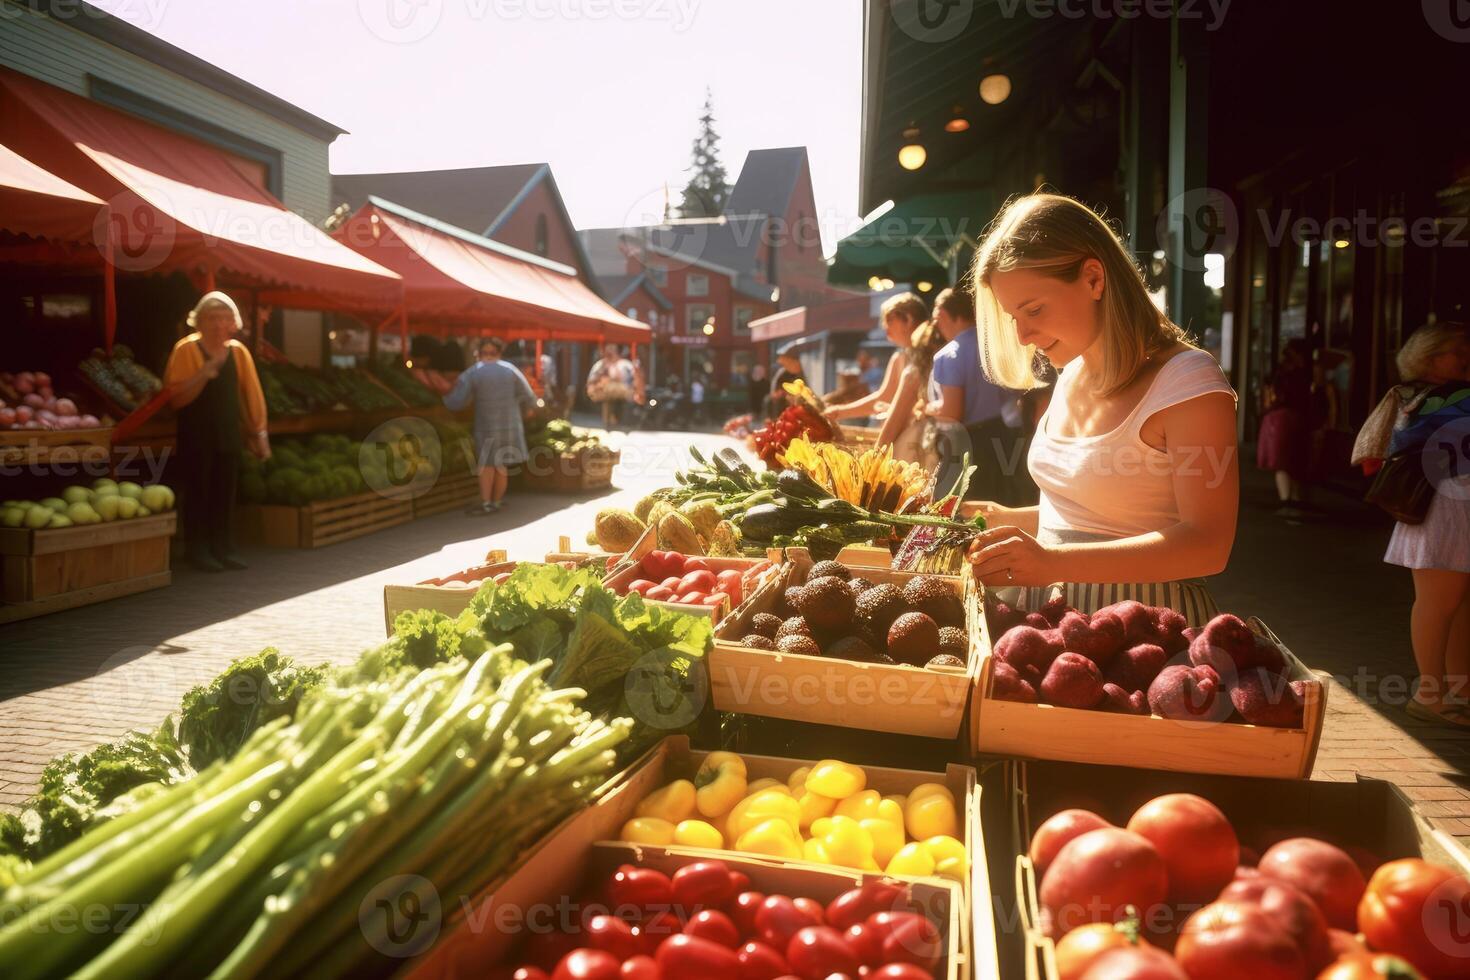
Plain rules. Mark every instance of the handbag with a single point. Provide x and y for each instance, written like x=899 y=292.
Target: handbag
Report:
x=1402 y=488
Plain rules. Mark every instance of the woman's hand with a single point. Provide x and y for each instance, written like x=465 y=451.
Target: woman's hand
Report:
x=1007 y=555
x=260 y=446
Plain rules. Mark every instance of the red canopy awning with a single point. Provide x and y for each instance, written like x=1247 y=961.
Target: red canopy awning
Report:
x=177 y=203
x=40 y=204
x=465 y=283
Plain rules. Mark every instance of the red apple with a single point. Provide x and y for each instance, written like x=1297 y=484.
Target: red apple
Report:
x=1195 y=840
x=1055 y=833
x=1098 y=875
x=1328 y=875
x=1231 y=940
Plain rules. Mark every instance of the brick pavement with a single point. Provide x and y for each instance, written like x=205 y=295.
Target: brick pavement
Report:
x=75 y=679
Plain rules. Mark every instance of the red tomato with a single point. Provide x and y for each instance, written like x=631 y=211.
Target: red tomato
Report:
x=702 y=580
x=817 y=951
x=702 y=884
x=716 y=598
x=1419 y=911
x=641 y=888
x=671 y=582
x=1056 y=831
x=1328 y=875
x=690 y=956
x=1370 y=966
x=760 y=962
x=695 y=564
x=847 y=909
x=779 y=918
x=1225 y=940
x=744 y=908
x=660 y=593
x=1195 y=840
x=900 y=971
x=526 y=973
x=640 y=968
x=740 y=881
x=656 y=929
x=691 y=599
x=609 y=933
x=641 y=585
x=715 y=926
x=658 y=565
x=907 y=937
x=864 y=943
x=730 y=580
x=1135 y=963
x=588 y=964
x=810 y=906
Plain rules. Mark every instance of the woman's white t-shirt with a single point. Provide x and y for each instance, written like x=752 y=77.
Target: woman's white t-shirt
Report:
x=1115 y=485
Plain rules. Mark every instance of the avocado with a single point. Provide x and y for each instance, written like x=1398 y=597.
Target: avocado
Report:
x=936 y=599
x=829 y=567
x=852 y=648
x=826 y=604
x=799 y=644
x=765 y=624
x=913 y=638
x=880 y=606
x=952 y=639
x=758 y=641
x=795 y=626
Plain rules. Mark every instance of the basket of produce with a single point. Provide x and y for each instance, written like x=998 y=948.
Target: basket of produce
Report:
x=1131 y=681
x=451 y=594
x=862 y=648
x=119 y=377
x=1128 y=872
x=693 y=584
x=35 y=423
x=802 y=418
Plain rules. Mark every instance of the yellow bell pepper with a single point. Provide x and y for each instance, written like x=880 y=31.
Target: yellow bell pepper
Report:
x=773 y=837
x=814 y=806
x=797 y=780
x=767 y=783
x=929 y=789
x=768 y=804
x=887 y=838
x=900 y=799
x=838 y=780
x=860 y=806
x=812 y=850
x=931 y=816
x=697 y=833
x=912 y=859
x=845 y=841
x=675 y=802
x=719 y=784
x=648 y=830
x=950 y=858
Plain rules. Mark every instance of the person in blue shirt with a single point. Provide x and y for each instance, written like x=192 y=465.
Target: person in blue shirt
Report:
x=959 y=393
x=501 y=398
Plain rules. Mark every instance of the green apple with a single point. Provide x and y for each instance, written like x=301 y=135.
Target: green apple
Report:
x=127 y=508
x=60 y=520
x=12 y=516
x=158 y=498
x=103 y=484
x=106 y=506
x=76 y=495
x=82 y=513
x=38 y=517
x=144 y=511
x=55 y=503
x=129 y=489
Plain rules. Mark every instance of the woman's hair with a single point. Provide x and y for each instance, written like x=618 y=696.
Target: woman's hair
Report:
x=1425 y=344
x=924 y=343
x=958 y=302
x=494 y=343
x=210 y=301
x=907 y=305
x=1054 y=235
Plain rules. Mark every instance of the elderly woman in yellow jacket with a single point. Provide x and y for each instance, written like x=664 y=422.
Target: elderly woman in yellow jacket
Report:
x=216 y=392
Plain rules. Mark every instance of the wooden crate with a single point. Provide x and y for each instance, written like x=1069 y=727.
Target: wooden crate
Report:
x=448 y=493
x=448 y=594
x=50 y=570
x=557 y=864
x=322 y=523
x=896 y=698
x=572 y=472
x=624 y=572
x=33 y=447
x=1044 y=731
x=1371 y=814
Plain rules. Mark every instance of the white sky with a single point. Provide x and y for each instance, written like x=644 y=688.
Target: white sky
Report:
x=606 y=91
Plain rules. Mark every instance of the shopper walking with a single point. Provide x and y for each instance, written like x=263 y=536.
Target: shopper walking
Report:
x=214 y=388
x=502 y=398
x=610 y=383
x=973 y=408
x=1430 y=414
x=1284 y=441
x=901 y=315
x=1136 y=453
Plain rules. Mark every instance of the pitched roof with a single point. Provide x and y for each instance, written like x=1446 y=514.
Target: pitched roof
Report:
x=619 y=288
x=767 y=181
x=473 y=198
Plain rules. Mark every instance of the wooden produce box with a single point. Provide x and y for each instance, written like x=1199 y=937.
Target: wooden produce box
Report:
x=29 y=447
x=570 y=472
x=1370 y=814
x=322 y=523
x=896 y=698
x=449 y=594
x=1044 y=731
x=557 y=864
x=448 y=493
x=62 y=568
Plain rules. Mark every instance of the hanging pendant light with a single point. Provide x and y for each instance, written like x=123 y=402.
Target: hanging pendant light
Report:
x=957 y=121
x=911 y=155
x=995 y=89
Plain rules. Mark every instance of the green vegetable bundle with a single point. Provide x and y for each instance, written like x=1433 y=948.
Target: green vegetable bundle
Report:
x=392 y=373
x=262 y=863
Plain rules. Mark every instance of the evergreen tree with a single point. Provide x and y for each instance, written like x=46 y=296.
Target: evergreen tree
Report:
x=708 y=189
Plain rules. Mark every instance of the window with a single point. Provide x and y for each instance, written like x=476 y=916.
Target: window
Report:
x=632 y=313
x=660 y=275
x=696 y=317
x=541 y=243
x=743 y=316
x=695 y=285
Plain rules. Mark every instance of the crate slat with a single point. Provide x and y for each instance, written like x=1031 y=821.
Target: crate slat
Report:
x=447 y=494
x=321 y=523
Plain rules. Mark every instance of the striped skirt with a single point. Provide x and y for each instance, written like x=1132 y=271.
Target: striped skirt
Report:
x=1189 y=597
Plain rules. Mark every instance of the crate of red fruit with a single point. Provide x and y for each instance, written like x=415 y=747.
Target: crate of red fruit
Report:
x=691 y=583
x=866 y=648
x=1127 y=872
x=1133 y=684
